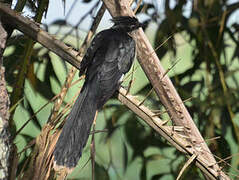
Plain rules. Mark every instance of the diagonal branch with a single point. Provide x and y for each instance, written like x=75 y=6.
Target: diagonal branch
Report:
x=170 y=133
x=33 y=30
x=163 y=86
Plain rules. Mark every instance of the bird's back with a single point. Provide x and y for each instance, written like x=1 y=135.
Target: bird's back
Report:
x=112 y=60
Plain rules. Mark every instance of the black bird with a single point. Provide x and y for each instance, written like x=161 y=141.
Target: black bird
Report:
x=108 y=58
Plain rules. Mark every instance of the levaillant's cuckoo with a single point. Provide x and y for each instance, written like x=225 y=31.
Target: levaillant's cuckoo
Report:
x=108 y=58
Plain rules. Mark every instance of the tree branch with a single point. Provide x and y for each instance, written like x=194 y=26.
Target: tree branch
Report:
x=163 y=86
x=170 y=133
x=5 y=141
x=33 y=30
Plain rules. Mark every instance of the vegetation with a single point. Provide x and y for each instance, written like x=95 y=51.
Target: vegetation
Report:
x=196 y=40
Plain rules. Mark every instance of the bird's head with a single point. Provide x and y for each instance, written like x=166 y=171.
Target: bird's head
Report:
x=126 y=23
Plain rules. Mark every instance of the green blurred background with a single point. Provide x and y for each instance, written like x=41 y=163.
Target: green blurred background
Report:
x=201 y=37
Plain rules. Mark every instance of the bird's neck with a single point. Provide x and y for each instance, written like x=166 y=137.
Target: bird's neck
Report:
x=122 y=29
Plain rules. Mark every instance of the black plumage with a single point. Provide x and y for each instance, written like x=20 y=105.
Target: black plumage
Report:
x=108 y=58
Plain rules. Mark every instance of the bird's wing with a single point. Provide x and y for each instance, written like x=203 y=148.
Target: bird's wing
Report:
x=111 y=64
x=90 y=53
x=127 y=55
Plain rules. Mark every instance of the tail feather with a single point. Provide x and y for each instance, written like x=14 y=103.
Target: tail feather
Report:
x=76 y=131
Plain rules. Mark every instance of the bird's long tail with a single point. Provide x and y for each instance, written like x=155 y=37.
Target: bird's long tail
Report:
x=76 y=131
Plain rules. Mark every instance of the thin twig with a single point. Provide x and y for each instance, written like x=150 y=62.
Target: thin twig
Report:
x=170 y=68
x=186 y=165
x=131 y=80
x=147 y=95
x=42 y=107
x=187 y=100
x=138 y=5
x=160 y=113
x=99 y=131
x=92 y=147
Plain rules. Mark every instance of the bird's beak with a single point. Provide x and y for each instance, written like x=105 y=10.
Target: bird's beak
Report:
x=142 y=25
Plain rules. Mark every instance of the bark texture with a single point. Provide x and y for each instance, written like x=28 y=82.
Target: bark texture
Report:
x=4 y=114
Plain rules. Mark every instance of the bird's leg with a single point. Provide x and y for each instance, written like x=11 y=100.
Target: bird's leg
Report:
x=92 y=147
